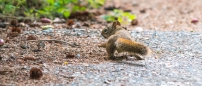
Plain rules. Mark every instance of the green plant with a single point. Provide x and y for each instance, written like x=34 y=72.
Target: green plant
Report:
x=47 y=8
x=65 y=7
x=96 y=3
x=10 y=7
x=120 y=16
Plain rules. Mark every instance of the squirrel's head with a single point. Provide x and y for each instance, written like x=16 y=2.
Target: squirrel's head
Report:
x=110 y=30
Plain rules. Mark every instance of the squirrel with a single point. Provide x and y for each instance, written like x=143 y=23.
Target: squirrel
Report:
x=120 y=39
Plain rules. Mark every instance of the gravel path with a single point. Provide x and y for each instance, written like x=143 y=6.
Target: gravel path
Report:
x=176 y=60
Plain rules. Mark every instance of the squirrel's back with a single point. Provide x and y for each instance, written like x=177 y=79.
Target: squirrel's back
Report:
x=123 y=44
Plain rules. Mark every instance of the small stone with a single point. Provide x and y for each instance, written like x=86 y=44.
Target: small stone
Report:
x=12 y=57
x=74 y=30
x=32 y=32
x=58 y=20
x=78 y=55
x=79 y=34
x=49 y=30
x=194 y=21
x=24 y=46
x=45 y=20
x=1 y=42
x=41 y=45
x=3 y=25
x=139 y=29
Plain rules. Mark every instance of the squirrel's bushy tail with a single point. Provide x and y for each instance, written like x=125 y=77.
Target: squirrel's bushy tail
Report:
x=131 y=46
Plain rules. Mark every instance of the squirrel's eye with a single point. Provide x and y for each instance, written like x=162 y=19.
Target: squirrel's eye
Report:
x=105 y=30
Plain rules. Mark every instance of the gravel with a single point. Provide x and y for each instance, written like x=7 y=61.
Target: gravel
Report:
x=176 y=60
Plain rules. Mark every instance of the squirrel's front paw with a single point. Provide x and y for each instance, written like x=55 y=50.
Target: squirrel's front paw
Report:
x=110 y=58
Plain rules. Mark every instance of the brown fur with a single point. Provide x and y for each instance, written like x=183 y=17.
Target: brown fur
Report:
x=120 y=39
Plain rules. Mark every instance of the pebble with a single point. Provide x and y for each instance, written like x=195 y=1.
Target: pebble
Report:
x=32 y=32
x=49 y=30
x=1 y=42
x=45 y=20
x=139 y=29
x=3 y=25
x=24 y=46
x=78 y=56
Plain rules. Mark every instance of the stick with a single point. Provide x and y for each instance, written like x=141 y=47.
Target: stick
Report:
x=59 y=41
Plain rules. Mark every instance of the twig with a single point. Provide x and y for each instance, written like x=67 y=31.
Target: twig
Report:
x=59 y=41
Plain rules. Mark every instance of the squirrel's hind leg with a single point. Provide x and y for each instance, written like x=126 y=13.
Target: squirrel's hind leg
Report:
x=139 y=57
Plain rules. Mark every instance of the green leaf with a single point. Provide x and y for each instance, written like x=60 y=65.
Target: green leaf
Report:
x=42 y=12
x=109 y=18
x=96 y=3
x=101 y=2
x=122 y=16
x=82 y=8
x=74 y=1
x=51 y=2
x=61 y=10
x=56 y=4
x=66 y=14
x=120 y=19
x=75 y=8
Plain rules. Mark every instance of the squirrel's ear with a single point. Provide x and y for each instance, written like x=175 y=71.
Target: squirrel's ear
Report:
x=116 y=23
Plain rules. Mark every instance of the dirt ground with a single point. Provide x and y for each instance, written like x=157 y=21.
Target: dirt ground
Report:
x=15 y=63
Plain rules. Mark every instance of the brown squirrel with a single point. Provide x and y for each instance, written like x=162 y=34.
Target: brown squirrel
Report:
x=120 y=39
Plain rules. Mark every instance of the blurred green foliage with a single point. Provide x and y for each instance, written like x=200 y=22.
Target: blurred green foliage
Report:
x=120 y=16
x=58 y=8
x=47 y=8
x=8 y=7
